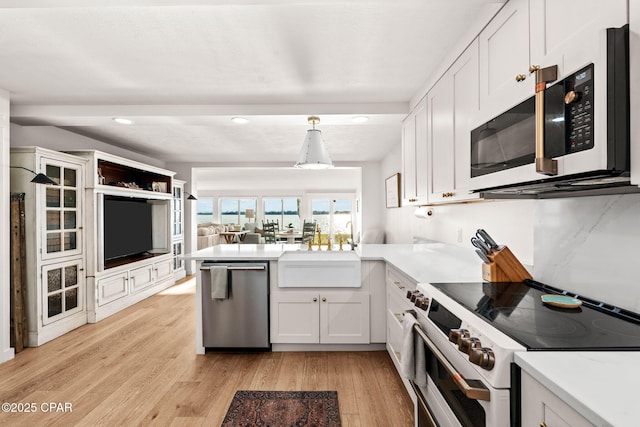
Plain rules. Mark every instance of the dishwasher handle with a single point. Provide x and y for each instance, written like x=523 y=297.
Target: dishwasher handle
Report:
x=246 y=267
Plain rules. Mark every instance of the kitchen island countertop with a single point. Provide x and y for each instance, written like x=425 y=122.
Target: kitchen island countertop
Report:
x=423 y=262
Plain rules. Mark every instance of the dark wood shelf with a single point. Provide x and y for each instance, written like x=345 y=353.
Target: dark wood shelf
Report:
x=121 y=176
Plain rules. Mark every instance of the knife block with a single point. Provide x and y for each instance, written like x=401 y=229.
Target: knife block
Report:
x=504 y=267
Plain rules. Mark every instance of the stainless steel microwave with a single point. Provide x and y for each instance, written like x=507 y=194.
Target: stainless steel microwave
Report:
x=571 y=136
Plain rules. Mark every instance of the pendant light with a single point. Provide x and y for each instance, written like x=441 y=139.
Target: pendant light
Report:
x=314 y=154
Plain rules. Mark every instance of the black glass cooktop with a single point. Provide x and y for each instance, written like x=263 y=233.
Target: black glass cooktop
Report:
x=517 y=310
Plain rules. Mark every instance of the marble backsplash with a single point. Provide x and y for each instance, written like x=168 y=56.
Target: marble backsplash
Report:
x=590 y=246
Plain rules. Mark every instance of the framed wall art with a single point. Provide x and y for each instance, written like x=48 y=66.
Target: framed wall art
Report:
x=392 y=190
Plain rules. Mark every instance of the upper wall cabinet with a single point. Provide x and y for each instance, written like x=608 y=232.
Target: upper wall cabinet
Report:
x=414 y=156
x=450 y=104
x=568 y=33
x=504 y=60
x=570 y=43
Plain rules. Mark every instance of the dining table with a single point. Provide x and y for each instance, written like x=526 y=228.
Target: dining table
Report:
x=290 y=235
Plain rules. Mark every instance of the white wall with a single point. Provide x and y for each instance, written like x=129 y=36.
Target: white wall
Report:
x=509 y=222
x=6 y=352
x=59 y=139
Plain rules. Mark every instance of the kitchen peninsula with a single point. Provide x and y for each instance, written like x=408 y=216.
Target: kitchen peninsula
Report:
x=388 y=272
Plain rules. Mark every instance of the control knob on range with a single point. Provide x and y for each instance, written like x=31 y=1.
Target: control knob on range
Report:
x=416 y=295
x=422 y=303
x=455 y=335
x=483 y=357
x=465 y=345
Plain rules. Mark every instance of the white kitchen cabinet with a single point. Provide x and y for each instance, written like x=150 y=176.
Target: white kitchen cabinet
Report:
x=397 y=285
x=541 y=407
x=414 y=156
x=450 y=104
x=504 y=61
x=327 y=317
x=55 y=260
x=571 y=43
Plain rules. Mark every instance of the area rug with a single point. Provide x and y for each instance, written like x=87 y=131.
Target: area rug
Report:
x=283 y=409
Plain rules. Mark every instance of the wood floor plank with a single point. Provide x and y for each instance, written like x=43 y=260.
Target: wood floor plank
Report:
x=139 y=367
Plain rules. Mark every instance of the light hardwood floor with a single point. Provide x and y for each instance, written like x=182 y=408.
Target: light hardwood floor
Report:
x=139 y=367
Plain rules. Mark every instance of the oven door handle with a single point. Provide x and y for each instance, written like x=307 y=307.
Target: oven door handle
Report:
x=470 y=392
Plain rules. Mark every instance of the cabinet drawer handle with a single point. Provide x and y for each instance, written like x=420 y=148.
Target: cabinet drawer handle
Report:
x=315 y=299
x=324 y=299
x=398 y=285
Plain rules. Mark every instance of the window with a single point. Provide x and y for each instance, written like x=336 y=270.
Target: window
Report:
x=333 y=216
x=205 y=210
x=284 y=210
x=233 y=210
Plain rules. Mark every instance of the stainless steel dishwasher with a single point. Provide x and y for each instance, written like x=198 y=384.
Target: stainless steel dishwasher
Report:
x=241 y=320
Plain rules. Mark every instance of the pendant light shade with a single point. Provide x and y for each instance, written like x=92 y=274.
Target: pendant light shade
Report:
x=314 y=154
x=39 y=178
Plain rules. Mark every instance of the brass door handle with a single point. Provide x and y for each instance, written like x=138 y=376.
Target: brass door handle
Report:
x=544 y=165
x=315 y=300
x=324 y=299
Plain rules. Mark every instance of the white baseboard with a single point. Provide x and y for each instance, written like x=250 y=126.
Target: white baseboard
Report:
x=7 y=355
x=327 y=347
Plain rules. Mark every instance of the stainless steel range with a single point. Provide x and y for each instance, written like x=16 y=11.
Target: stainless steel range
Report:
x=468 y=333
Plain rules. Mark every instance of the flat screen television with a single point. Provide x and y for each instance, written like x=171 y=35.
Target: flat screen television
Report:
x=127 y=227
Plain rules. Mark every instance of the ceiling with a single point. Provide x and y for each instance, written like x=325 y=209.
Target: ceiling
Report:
x=181 y=69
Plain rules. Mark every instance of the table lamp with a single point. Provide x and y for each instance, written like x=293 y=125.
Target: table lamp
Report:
x=249 y=213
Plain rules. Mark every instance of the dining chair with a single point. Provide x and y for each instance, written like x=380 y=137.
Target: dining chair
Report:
x=269 y=231
x=308 y=231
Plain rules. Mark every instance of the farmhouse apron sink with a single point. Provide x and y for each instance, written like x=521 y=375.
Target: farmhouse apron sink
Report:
x=310 y=269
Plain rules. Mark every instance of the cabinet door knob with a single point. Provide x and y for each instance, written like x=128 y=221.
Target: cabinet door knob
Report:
x=533 y=68
x=543 y=424
x=521 y=77
x=315 y=299
x=324 y=299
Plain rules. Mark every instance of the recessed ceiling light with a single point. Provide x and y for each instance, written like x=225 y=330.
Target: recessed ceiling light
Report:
x=123 y=121
x=360 y=119
x=240 y=120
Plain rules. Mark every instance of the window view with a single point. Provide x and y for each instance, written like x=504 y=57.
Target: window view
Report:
x=333 y=216
x=284 y=210
x=205 y=210
x=234 y=210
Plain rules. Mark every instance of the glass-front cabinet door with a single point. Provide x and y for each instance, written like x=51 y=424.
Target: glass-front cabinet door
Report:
x=177 y=204
x=178 y=262
x=62 y=209
x=62 y=289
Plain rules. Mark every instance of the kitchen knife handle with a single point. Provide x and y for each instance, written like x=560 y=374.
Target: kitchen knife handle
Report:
x=483 y=235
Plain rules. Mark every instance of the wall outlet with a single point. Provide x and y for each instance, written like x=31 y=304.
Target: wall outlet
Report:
x=459 y=235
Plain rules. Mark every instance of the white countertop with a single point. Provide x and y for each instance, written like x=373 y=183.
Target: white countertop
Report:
x=600 y=385
x=423 y=262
